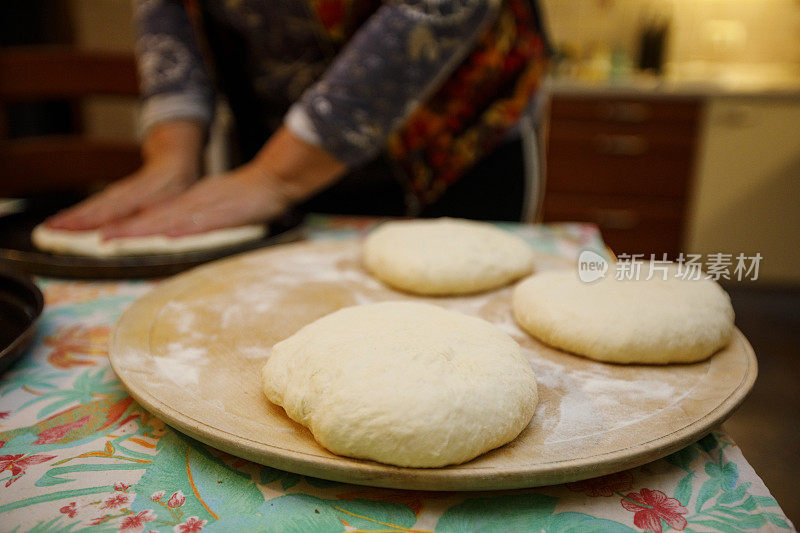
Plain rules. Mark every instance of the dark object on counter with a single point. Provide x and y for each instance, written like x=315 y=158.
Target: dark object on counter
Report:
x=652 y=47
x=18 y=253
x=21 y=304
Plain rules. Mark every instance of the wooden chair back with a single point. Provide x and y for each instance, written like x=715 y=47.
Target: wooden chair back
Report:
x=62 y=163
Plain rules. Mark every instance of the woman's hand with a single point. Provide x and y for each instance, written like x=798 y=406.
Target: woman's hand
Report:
x=149 y=185
x=172 y=163
x=284 y=172
x=243 y=196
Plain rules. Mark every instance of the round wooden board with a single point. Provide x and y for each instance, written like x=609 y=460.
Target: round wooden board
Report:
x=191 y=351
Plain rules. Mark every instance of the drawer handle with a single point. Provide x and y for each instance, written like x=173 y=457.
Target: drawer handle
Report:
x=624 y=112
x=616 y=219
x=627 y=145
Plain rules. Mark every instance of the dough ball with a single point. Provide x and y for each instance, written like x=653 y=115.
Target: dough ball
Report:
x=90 y=243
x=652 y=321
x=403 y=383
x=445 y=256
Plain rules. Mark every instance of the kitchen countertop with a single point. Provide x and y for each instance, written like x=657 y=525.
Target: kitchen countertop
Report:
x=644 y=86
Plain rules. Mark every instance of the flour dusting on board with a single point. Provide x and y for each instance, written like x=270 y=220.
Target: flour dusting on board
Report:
x=182 y=364
x=220 y=329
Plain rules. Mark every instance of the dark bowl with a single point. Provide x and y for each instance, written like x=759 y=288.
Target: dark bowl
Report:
x=21 y=304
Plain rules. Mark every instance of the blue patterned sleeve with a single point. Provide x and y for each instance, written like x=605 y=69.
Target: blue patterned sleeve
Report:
x=174 y=81
x=398 y=57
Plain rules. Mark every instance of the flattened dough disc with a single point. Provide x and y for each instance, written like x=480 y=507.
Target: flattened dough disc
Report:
x=90 y=243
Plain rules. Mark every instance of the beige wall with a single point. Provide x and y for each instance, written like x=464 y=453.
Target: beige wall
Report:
x=739 y=31
x=584 y=26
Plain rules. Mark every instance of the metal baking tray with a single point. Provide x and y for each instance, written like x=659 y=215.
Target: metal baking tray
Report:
x=18 y=253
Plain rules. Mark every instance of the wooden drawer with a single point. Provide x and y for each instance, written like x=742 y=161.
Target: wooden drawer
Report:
x=624 y=110
x=628 y=224
x=649 y=153
x=602 y=163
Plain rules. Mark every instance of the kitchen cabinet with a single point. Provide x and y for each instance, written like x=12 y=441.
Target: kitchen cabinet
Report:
x=625 y=164
x=747 y=193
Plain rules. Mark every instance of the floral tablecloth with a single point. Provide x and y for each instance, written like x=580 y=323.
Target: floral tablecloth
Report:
x=77 y=453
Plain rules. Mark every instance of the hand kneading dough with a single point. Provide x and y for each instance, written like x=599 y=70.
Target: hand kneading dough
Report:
x=403 y=383
x=90 y=243
x=445 y=256
x=652 y=321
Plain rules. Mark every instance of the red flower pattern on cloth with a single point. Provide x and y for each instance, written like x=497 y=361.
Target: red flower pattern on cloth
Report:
x=176 y=500
x=192 y=525
x=157 y=495
x=18 y=463
x=4 y=414
x=54 y=434
x=116 y=501
x=121 y=487
x=604 y=485
x=97 y=521
x=70 y=510
x=135 y=523
x=650 y=506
